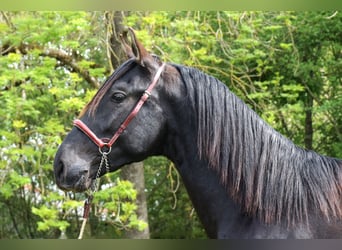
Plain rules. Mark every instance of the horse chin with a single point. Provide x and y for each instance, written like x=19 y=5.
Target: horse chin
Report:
x=83 y=184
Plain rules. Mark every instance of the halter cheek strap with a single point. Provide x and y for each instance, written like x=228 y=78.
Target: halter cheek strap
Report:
x=107 y=143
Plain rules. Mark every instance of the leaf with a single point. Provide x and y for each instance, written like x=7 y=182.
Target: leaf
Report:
x=17 y=180
x=286 y=46
x=19 y=124
x=14 y=58
x=7 y=190
x=72 y=204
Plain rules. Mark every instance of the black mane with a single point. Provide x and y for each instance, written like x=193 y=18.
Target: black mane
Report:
x=261 y=169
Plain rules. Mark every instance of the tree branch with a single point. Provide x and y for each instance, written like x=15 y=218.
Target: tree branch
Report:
x=61 y=56
x=7 y=20
x=65 y=58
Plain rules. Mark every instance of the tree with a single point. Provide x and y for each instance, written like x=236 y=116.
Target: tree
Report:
x=133 y=172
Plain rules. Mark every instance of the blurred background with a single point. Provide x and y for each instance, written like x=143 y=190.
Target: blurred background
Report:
x=287 y=66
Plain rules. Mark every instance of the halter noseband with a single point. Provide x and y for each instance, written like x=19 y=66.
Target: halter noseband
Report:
x=107 y=143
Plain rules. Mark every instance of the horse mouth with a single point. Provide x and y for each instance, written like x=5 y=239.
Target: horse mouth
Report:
x=83 y=184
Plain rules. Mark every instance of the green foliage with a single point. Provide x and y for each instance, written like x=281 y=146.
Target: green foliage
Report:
x=50 y=219
x=42 y=91
x=14 y=182
x=115 y=202
x=171 y=214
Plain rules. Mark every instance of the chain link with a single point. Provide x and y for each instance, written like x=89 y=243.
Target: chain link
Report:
x=104 y=163
x=90 y=192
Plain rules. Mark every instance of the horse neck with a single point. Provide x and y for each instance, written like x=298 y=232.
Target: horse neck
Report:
x=209 y=198
x=221 y=216
x=213 y=204
x=243 y=159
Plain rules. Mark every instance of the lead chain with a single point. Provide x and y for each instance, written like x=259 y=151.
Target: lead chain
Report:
x=93 y=189
x=103 y=163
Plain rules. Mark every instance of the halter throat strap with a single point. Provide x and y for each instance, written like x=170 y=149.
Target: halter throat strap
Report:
x=106 y=144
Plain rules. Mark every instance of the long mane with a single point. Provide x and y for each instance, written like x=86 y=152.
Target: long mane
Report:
x=265 y=172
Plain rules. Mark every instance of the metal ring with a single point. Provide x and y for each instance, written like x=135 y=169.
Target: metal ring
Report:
x=105 y=152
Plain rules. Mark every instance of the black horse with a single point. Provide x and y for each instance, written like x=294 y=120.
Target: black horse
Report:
x=245 y=179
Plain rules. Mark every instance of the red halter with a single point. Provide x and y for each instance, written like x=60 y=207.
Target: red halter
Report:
x=101 y=143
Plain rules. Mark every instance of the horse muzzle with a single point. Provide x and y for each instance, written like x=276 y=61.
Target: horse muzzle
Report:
x=72 y=178
x=72 y=173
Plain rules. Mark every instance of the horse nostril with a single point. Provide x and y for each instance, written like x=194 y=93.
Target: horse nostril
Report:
x=59 y=169
x=83 y=172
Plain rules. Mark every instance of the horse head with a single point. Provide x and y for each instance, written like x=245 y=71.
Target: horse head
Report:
x=126 y=107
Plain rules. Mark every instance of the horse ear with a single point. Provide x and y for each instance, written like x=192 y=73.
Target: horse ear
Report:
x=138 y=51
x=124 y=42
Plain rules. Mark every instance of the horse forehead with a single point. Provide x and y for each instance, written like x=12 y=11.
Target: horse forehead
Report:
x=135 y=75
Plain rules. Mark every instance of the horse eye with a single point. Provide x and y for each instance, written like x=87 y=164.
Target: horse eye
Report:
x=118 y=97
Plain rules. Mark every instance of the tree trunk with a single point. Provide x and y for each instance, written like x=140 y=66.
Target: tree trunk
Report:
x=308 y=136
x=135 y=171
x=308 y=103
